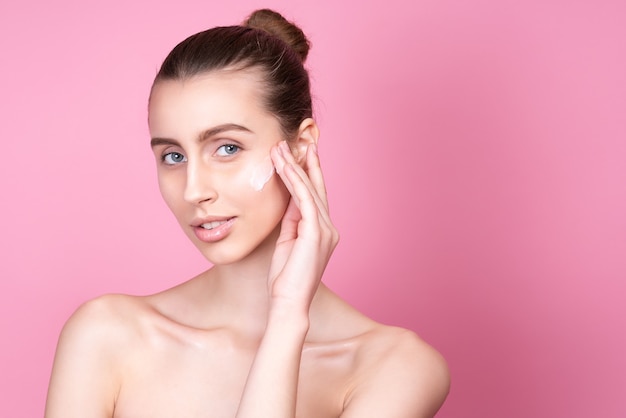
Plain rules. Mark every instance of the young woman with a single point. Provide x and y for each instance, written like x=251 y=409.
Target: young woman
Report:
x=258 y=334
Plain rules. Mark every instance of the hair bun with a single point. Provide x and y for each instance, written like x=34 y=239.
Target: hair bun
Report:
x=275 y=24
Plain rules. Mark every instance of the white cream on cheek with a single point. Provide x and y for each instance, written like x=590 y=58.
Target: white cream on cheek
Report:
x=261 y=173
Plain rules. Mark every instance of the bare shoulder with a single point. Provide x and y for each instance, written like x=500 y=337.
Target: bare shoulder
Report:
x=393 y=373
x=92 y=343
x=387 y=347
x=398 y=375
x=105 y=317
x=101 y=329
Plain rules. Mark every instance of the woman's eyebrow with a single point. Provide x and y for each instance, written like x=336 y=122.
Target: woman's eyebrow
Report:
x=155 y=142
x=204 y=135
x=216 y=130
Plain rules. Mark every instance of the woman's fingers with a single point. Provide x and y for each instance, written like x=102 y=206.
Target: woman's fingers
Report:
x=314 y=171
x=315 y=184
x=280 y=163
x=305 y=192
x=304 y=199
x=307 y=237
x=282 y=160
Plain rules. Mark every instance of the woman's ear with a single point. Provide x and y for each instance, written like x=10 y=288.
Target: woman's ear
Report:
x=308 y=133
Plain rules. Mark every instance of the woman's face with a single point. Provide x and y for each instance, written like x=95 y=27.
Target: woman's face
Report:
x=211 y=138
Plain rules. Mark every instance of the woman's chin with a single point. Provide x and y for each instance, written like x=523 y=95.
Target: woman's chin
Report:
x=229 y=255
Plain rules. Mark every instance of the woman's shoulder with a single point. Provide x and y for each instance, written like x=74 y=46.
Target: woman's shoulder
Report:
x=92 y=342
x=374 y=340
x=109 y=319
x=397 y=369
x=392 y=366
x=389 y=350
x=109 y=308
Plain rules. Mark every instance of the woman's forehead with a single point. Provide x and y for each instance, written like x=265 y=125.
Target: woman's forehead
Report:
x=185 y=106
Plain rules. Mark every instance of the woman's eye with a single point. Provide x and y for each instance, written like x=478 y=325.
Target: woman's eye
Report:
x=226 y=150
x=172 y=158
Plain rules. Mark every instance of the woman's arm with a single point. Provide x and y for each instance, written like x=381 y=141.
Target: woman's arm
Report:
x=303 y=249
x=82 y=384
x=272 y=383
x=402 y=376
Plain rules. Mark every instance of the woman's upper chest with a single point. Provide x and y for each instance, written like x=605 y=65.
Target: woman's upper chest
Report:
x=203 y=374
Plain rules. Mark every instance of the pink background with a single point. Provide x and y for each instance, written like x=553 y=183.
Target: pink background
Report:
x=476 y=160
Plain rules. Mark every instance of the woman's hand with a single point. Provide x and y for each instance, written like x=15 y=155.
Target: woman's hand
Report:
x=307 y=237
x=306 y=241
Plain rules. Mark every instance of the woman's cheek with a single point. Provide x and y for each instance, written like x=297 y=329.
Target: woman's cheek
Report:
x=260 y=173
x=169 y=188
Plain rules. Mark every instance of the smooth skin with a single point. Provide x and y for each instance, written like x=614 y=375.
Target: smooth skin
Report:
x=257 y=335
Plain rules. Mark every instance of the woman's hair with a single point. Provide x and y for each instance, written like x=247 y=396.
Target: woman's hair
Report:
x=265 y=41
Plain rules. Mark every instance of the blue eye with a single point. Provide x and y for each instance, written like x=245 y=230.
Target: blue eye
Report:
x=228 y=149
x=172 y=158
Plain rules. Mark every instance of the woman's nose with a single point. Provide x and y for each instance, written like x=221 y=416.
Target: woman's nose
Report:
x=199 y=187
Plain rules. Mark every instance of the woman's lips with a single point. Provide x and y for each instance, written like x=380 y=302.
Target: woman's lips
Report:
x=213 y=231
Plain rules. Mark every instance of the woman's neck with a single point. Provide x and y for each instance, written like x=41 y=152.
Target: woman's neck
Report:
x=238 y=291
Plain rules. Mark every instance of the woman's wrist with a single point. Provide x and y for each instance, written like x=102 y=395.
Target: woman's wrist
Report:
x=288 y=315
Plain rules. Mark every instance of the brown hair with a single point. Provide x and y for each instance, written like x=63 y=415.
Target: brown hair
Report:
x=267 y=41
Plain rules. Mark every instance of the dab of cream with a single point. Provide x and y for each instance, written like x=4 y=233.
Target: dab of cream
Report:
x=261 y=174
